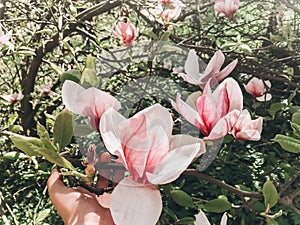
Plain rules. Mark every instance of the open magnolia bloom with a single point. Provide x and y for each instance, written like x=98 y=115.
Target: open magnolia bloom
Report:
x=168 y=9
x=227 y=7
x=258 y=88
x=213 y=70
x=90 y=102
x=13 y=98
x=201 y=219
x=247 y=129
x=126 y=32
x=145 y=146
x=214 y=112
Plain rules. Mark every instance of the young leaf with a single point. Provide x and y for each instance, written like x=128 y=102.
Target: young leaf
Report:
x=270 y=194
x=26 y=144
x=63 y=129
x=182 y=198
x=42 y=216
x=288 y=143
x=73 y=75
x=42 y=132
x=90 y=62
x=89 y=78
x=296 y=117
x=217 y=205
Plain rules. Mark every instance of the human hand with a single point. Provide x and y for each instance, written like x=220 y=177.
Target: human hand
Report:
x=79 y=206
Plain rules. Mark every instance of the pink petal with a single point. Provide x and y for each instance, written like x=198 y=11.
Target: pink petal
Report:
x=235 y=94
x=215 y=63
x=70 y=92
x=132 y=203
x=93 y=102
x=177 y=160
x=188 y=112
x=223 y=126
x=145 y=139
x=226 y=71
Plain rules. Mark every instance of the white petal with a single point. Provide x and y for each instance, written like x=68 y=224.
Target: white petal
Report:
x=224 y=219
x=201 y=219
x=191 y=68
x=70 y=92
x=132 y=203
x=176 y=161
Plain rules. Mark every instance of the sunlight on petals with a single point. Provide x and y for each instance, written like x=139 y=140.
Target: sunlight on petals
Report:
x=132 y=203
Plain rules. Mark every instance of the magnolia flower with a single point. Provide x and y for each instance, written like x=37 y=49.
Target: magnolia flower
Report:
x=13 y=98
x=193 y=75
x=228 y=7
x=257 y=88
x=168 y=9
x=90 y=102
x=4 y=39
x=126 y=32
x=201 y=219
x=214 y=112
x=247 y=129
x=45 y=90
x=145 y=146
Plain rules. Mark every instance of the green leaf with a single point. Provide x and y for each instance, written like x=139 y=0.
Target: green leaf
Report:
x=271 y=221
x=165 y=36
x=42 y=216
x=90 y=62
x=42 y=132
x=270 y=194
x=56 y=68
x=89 y=78
x=245 y=49
x=186 y=220
x=296 y=128
x=217 y=205
x=73 y=75
x=296 y=117
x=63 y=129
x=288 y=143
x=182 y=198
x=26 y=144
x=52 y=156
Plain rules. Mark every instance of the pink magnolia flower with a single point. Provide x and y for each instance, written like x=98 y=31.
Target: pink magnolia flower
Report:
x=228 y=7
x=201 y=219
x=247 y=129
x=90 y=102
x=213 y=69
x=257 y=88
x=13 y=98
x=45 y=90
x=214 y=112
x=4 y=38
x=126 y=32
x=152 y=156
x=168 y=9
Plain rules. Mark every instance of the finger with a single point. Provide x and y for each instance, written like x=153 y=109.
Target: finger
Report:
x=63 y=198
x=103 y=174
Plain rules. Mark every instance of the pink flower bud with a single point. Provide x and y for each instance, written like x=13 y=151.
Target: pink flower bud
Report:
x=126 y=32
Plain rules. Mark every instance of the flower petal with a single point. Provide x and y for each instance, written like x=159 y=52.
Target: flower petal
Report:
x=191 y=68
x=70 y=92
x=132 y=203
x=224 y=219
x=177 y=160
x=110 y=133
x=201 y=219
x=188 y=112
